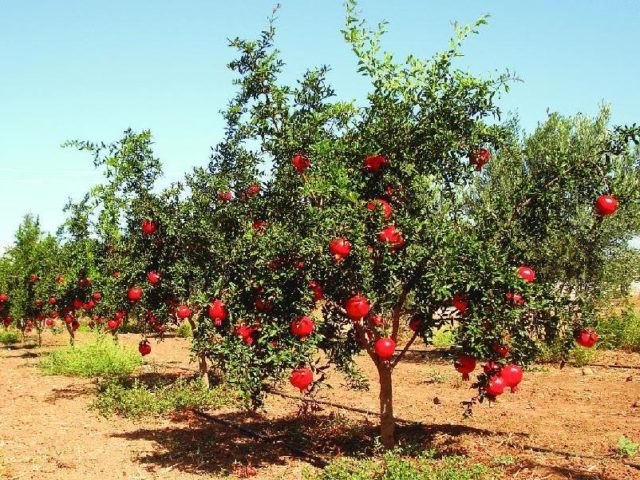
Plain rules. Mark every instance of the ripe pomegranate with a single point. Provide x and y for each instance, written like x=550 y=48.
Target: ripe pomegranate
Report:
x=134 y=294
x=512 y=376
x=116 y=275
x=84 y=282
x=39 y=303
x=465 y=364
x=318 y=293
x=54 y=314
x=373 y=163
x=302 y=327
x=252 y=190
x=77 y=304
x=89 y=305
x=120 y=315
x=606 y=205
x=40 y=316
x=501 y=349
x=50 y=322
x=34 y=278
x=149 y=227
x=377 y=321
x=153 y=278
x=4 y=297
x=460 y=302
x=264 y=306
x=68 y=319
x=416 y=324
x=301 y=378
x=225 y=196
x=60 y=279
x=144 y=347
x=357 y=307
x=587 y=337
x=75 y=325
x=7 y=320
x=52 y=300
x=183 y=311
x=526 y=273
x=217 y=312
x=248 y=334
x=495 y=387
x=514 y=298
x=385 y=348
x=392 y=236
x=300 y=163
x=490 y=368
x=260 y=226
x=339 y=248
x=480 y=158
x=113 y=324
x=97 y=296
x=380 y=203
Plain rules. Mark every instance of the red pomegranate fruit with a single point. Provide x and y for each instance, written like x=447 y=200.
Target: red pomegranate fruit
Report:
x=385 y=348
x=153 y=277
x=373 y=163
x=149 y=227
x=316 y=288
x=479 y=158
x=300 y=162
x=495 y=387
x=357 y=307
x=587 y=337
x=606 y=205
x=460 y=302
x=465 y=364
x=225 y=196
x=302 y=327
x=379 y=203
x=217 y=311
x=526 y=273
x=134 y=294
x=301 y=378
x=339 y=248
x=183 y=311
x=512 y=376
x=514 y=298
x=392 y=236
x=144 y=347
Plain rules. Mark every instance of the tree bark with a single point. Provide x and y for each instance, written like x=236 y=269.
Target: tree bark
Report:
x=204 y=370
x=387 y=420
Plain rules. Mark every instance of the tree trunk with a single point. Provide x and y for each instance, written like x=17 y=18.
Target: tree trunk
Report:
x=387 y=421
x=204 y=370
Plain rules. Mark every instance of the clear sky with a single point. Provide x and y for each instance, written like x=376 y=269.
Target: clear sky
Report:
x=88 y=69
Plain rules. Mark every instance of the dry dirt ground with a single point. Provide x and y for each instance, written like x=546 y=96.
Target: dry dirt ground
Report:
x=48 y=432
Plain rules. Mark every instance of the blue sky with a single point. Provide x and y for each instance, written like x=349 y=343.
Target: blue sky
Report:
x=88 y=69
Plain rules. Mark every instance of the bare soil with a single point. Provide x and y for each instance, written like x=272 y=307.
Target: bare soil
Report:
x=48 y=432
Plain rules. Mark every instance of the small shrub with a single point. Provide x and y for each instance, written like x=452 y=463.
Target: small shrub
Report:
x=184 y=330
x=620 y=331
x=133 y=399
x=626 y=447
x=580 y=356
x=393 y=466
x=9 y=337
x=443 y=338
x=104 y=357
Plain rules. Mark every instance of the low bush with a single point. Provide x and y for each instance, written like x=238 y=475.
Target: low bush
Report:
x=184 y=330
x=443 y=337
x=134 y=398
x=394 y=466
x=104 y=357
x=9 y=337
x=620 y=331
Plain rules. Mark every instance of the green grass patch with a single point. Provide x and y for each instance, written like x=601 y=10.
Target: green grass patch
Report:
x=101 y=358
x=133 y=398
x=395 y=466
x=9 y=337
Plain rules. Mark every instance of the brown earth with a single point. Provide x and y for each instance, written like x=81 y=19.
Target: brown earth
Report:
x=48 y=432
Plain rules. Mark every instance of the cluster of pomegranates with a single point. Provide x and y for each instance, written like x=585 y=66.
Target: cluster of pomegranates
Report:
x=498 y=377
